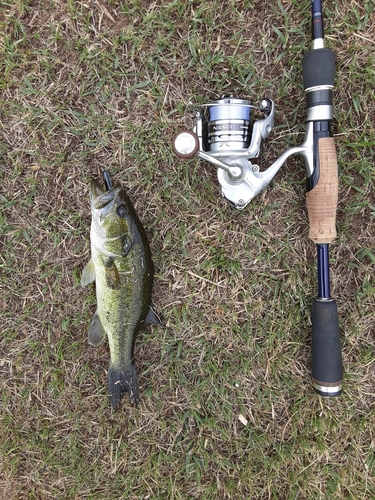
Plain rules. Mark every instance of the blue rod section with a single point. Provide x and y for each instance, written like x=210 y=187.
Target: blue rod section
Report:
x=323 y=272
x=316 y=6
x=317 y=19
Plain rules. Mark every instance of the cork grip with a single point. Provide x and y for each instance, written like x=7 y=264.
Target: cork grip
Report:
x=322 y=199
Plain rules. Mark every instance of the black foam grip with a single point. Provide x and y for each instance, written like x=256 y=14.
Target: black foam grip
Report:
x=326 y=345
x=318 y=68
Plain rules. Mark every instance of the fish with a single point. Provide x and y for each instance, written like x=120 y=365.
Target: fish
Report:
x=122 y=268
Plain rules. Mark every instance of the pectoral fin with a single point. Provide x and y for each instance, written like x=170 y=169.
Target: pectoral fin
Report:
x=96 y=331
x=112 y=276
x=88 y=273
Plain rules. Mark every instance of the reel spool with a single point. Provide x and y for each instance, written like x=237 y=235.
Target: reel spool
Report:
x=228 y=125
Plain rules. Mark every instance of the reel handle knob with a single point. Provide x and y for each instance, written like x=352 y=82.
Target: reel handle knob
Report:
x=185 y=144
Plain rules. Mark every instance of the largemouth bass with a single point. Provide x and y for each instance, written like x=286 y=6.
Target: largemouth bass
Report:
x=122 y=268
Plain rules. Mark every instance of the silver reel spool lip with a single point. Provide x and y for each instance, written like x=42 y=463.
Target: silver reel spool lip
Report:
x=229 y=101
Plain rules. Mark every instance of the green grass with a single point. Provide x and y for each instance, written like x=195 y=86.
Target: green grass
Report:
x=91 y=85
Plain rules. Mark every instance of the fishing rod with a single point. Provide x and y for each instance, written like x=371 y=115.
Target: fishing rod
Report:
x=228 y=135
x=321 y=198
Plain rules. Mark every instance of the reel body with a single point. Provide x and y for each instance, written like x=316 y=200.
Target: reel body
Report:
x=226 y=135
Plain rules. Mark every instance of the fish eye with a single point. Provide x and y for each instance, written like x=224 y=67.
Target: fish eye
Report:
x=122 y=211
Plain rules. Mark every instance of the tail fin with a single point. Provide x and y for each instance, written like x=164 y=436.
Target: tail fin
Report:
x=120 y=381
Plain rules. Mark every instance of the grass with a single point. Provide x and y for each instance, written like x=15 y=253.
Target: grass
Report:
x=92 y=85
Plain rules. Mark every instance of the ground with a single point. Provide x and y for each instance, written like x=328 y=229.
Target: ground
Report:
x=226 y=406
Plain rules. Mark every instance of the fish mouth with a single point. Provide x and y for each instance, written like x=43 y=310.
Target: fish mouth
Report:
x=107 y=180
x=101 y=198
x=96 y=190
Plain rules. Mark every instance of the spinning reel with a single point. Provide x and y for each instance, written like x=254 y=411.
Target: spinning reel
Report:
x=226 y=136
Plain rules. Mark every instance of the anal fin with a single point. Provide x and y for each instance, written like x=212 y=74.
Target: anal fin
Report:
x=153 y=318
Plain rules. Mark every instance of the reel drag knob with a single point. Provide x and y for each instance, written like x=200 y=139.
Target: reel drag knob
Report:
x=185 y=144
